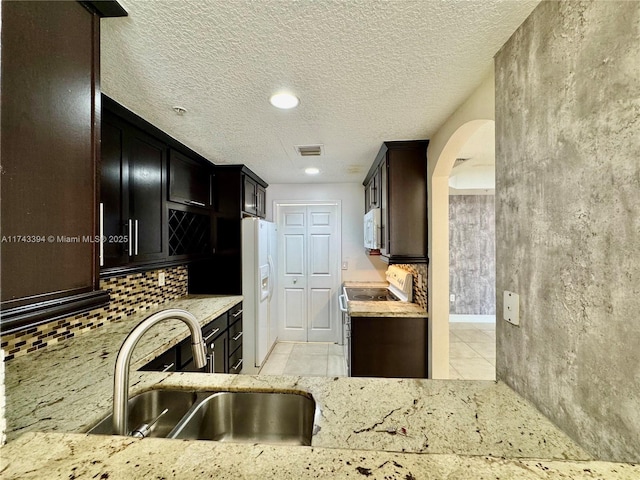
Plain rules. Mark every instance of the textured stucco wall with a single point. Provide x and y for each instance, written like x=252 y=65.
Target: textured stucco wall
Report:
x=472 y=254
x=568 y=219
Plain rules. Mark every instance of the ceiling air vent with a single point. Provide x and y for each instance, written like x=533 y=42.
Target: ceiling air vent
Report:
x=460 y=161
x=309 y=150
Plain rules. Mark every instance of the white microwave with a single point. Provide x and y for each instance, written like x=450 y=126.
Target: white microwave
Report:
x=372 y=229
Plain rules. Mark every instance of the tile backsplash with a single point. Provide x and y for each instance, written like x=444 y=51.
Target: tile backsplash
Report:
x=129 y=294
x=419 y=293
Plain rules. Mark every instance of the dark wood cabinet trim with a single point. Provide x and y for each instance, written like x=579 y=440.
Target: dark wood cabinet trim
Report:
x=106 y=8
x=34 y=314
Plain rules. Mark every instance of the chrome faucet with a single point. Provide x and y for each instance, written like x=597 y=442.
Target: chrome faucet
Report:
x=121 y=375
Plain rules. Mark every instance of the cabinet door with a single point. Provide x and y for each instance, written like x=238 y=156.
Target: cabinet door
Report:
x=385 y=347
x=113 y=194
x=261 y=201
x=146 y=197
x=384 y=208
x=49 y=145
x=217 y=350
x=249 y=195
x=189 y=181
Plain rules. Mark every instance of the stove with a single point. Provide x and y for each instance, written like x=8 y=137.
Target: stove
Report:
x=400 y=289
x=370 y=295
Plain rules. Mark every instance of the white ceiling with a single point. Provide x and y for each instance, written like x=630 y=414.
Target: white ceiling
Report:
x=365 y=71
x=477 y=173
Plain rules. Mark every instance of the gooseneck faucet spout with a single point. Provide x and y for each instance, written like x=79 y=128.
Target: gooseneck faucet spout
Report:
x=121 y=375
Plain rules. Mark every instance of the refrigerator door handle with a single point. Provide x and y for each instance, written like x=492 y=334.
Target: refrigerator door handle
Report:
x=272 y=271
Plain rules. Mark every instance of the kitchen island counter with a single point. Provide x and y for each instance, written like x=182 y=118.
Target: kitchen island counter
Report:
x=55 y=395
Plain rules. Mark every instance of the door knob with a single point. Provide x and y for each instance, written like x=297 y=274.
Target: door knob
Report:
x=295 y=280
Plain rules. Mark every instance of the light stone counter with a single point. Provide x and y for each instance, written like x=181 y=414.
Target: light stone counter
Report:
x=68 y=388
x=38 y=456
x=382 y=309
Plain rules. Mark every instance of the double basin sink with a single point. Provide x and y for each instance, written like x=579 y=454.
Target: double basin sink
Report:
x=256 y=417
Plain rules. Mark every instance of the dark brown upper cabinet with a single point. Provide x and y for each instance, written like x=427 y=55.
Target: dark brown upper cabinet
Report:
x=156 y=195
x=133 y=189
x=399 y=173
x=50 y=144
x=189 y=181
x=254 y=194
x=237 y=192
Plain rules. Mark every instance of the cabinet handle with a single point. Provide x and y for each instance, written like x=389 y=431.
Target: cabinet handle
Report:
x=136 y=224
x=237 y=336
x=130 y=237
x=211 y=334
x=234 y=315
x=237 y=365
x=101 y=233
x=168 y=367
x=193 y=202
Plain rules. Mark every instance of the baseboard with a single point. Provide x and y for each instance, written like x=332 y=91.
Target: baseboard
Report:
x=453 y=318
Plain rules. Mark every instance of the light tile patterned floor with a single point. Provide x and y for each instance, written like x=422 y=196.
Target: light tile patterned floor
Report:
x=306 y=359
x=472 y=355
x=472 y=351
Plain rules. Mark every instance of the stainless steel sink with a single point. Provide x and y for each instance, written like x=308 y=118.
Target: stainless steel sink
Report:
x=146 y=407
x=282 y=418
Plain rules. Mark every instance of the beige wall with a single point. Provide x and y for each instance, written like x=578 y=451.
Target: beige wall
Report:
x=443 y=148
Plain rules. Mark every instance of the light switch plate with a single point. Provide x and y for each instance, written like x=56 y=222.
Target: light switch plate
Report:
x=511 y=307
x=345 y=265
x=161 y=280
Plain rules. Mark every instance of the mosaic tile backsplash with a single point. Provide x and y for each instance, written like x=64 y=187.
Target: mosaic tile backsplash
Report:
x=129 y=294
x=419 y=293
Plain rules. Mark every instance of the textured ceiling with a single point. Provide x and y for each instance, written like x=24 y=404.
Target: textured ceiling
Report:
x=365 y=71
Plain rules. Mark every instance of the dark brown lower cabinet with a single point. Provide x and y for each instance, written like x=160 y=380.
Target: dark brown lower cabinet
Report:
x=390 y=347
x=223 y=341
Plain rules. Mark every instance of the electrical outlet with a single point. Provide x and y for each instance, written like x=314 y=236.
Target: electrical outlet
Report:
x=511 y=307
x=345 y=265
x=161 y=280
x=452 y=297
x=420 y=280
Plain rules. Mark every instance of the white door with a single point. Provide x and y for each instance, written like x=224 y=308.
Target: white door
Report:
x=309 y=280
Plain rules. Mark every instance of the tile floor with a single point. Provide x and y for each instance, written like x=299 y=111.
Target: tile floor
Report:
x=472 y=355
x=472 y=351
x=305 y=359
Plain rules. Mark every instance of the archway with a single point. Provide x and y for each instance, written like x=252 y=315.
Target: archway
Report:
x=439 y=238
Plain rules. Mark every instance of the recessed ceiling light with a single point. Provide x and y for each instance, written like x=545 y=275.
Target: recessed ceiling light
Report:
x=311 y=171
x=179 y=110
x=284 y=100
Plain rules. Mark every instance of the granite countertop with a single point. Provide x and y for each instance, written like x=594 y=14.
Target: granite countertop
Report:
x=65 y=387
x=382 y=309
x=71 y=456
x=56 y=394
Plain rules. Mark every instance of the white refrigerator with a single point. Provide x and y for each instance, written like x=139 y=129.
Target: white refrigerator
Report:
x=260 y=323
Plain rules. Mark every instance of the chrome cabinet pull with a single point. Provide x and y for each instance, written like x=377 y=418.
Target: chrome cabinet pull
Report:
x=168 y=367
x=101 y=233
x=237 y=365
x=211 y=334
x=239 y=312
x=237 y=336
x=136 y=224
x=130 y=237
x=193 y=202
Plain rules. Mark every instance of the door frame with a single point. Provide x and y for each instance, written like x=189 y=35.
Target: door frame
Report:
x=338 y=282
